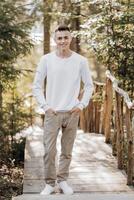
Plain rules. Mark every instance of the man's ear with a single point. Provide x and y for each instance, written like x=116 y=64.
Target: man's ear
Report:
x=54 y=37
x=71 y=37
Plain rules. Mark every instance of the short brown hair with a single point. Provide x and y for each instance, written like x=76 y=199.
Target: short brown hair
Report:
x=62 y=28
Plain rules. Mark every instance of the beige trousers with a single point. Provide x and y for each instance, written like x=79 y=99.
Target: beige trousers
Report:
x=68 y=123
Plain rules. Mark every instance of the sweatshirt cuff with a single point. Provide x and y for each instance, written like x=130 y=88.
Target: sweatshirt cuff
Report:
x=80 y=106
x=45 y=107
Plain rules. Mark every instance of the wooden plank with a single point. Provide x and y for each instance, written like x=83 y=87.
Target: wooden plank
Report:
x=33 y=186
x=34 y=163
x=110 y=165
x=33 y=159
x=33 y=173
x=102 y=188
x=34 y=148
x=79 y=196
x=83 y=175
x=36 y=186
x=94 y=169
x=98 y=180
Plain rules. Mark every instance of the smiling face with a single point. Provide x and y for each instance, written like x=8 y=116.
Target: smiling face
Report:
x=63 y=40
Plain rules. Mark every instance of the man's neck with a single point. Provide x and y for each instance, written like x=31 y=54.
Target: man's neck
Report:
x=63 y=53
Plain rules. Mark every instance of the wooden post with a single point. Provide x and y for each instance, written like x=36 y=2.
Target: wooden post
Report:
x=119 y=131
x=114 y=138
x=130 y=148
x=91 y=116
x=96 y=110
x=108 y=109
x=82 y=120
x=104 y=111
x=86 y=120
x=97 y=116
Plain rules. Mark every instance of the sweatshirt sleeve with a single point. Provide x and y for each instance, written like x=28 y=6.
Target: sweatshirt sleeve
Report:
x=88 y=84
x=38 y=84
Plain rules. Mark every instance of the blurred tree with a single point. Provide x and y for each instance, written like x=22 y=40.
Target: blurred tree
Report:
x=110 y=32
x=75 y=25
x=15 y=25
x=60 y=12
x=47 y=11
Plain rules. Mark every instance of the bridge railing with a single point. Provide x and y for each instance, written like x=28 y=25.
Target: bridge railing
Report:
x=110 y=112
x=118 y=126
x=91 y=117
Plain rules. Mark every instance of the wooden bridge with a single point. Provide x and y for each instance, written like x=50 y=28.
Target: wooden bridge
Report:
x=103 y=154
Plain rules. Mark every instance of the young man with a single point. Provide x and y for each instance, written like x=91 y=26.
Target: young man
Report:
x=64 y=69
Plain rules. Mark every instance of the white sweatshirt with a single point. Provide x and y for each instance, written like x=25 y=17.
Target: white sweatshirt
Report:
x=63 y=82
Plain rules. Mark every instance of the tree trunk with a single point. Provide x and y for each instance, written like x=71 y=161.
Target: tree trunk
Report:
x=75 y=26
x=1 y=105
x=47 y=24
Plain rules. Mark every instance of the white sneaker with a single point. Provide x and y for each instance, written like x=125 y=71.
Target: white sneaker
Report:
x=47 y=190
x=66 y=189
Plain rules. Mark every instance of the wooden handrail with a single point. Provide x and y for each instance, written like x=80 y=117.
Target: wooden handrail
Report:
x=99 y=83
x=114 y=81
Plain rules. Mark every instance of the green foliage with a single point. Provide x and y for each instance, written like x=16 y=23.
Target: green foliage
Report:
x=8 y=74
x=16 y=22
x=15 y=42
x=15 y=116
x=15 y=25
x=11 y=182
x=110 y=32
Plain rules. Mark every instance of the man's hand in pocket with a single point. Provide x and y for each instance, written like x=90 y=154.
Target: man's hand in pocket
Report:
x=50 y=110
x=75 y=110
